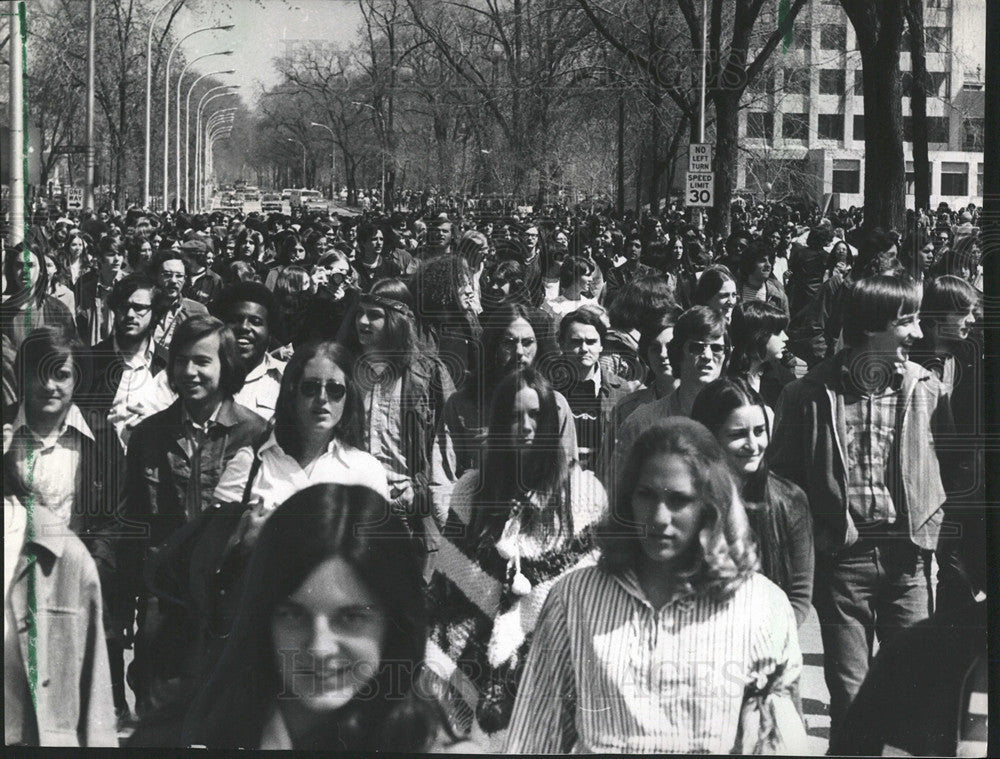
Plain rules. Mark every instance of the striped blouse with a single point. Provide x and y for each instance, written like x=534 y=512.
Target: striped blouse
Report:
x=608 y=673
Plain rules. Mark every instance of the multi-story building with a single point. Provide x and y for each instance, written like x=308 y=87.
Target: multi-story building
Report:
x=802 y=129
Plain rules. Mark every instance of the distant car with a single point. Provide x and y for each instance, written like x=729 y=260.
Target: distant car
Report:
x=231 y=210
x=271 y=202
x=315 y=204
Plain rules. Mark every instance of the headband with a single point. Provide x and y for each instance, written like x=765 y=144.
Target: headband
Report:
x=395 y=305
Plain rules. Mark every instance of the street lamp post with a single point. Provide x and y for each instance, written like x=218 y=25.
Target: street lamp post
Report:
x=207 y=98
x=225 y=131
x=166 y=102
x=211 y=129
x=149 y=90
x=177 y=116
x=224 y=115
x=187 y=129
x=333 y=153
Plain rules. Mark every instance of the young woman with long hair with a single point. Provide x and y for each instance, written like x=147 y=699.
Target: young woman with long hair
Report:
x=516 y=524
x=327 y=642
x=778 y=510
x=514 y=337
x=27 y=302
x=404 y=389
x=674 y=641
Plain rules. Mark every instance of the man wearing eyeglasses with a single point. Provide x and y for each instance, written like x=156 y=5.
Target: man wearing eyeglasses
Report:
x=126 y=383
x=171 y=267
x=697 y=354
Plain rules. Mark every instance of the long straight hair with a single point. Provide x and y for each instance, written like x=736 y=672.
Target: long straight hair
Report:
x=506 y=474
x=322 y=522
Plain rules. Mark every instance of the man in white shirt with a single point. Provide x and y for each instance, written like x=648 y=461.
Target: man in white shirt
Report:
x=249 y=309
x=126 y=377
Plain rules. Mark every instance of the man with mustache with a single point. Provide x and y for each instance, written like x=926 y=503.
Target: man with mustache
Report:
x=170 y=268
x=858 y=434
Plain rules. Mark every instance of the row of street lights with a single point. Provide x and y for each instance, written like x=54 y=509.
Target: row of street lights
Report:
x=198 y=174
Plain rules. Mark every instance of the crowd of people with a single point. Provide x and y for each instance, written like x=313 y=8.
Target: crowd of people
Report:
x=443 y=480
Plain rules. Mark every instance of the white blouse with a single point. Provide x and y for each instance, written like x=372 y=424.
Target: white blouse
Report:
x=280 y=475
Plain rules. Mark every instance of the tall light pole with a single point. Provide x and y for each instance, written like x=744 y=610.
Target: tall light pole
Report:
x=166 y=103
x=187 y=125
x=149 y=91
x=207 y=98
x=225 y=131
x=17 y=148
x=88 y=187
x=224 y=115
x=333 y=153
x=177 y=117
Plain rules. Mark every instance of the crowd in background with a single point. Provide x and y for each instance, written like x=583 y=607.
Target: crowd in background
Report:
x=449 y=479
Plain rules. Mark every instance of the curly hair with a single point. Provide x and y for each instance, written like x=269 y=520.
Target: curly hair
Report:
x=726 y=554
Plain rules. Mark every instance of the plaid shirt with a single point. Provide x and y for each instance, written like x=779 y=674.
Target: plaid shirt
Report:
x=872 y=421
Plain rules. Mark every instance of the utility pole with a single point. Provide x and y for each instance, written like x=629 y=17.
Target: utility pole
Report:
x=17 y=149
x=88 y=187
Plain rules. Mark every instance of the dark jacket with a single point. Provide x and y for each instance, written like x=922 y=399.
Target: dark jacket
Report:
x=808 y=443
x=806 y=267
x=814 y=330
x=16 y=323
x=204 y=290
x=774 y=293
x=917 y=696
x=104 y=367
x=93 y=318
x=159 y=468
x=73 y=704
x=591 y=433
x=394 y=263
x=100 y=515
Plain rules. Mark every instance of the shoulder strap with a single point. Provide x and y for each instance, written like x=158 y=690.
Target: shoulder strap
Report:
x=255 y=463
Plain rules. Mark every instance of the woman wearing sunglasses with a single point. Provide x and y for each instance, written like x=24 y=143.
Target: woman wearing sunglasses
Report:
x=317 y=435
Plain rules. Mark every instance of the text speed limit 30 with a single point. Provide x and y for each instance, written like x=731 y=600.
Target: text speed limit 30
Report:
x=700 y=192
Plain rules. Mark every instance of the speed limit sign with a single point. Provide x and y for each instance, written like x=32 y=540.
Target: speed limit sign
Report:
x=700 y=189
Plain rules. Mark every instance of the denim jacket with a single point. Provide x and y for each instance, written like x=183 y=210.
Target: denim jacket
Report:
x=808 y=448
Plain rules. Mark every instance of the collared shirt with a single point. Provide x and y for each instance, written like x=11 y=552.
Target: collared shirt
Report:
x=138 y=388
x=384 y=412
x=872 y=421
x=275 y=736
x=609 y=673
x=584 y=399
x=164 y=329
x=19 y=720
x=261 y=387
x=280 y=476
x=195 y=435
x=50 y=466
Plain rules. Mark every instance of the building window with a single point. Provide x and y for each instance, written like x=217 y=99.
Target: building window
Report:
x=847 y=176
x=763 y=83
x=830 y=126
x=937 y=128
x=979 y=181
x=760 y=125
x=795 y=126
x=939 y=84
x=937 y=39
x=911 y=179
x=801 y=38
x=833 y=37
x=954 y=179
x=939 y=4
x=973 y=134
x=859 y=127
x=859 y=84
x=796 y=81
x=831 y=81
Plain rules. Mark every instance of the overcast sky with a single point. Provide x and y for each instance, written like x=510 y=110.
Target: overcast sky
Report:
x=262 y=27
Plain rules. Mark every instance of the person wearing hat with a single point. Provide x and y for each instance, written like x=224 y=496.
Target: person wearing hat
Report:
x=203 y=284
x=248 y=308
